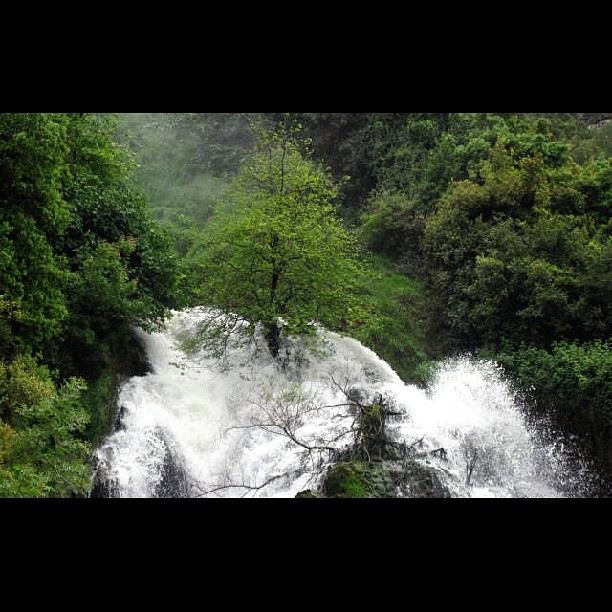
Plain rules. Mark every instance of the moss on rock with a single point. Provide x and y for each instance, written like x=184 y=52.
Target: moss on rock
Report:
x=346 y=480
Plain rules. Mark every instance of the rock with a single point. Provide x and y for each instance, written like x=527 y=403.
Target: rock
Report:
x=135 y=359
x=383 y=479
x=417 y=480
x=102 y=487
x=173 y=481
x=307 y=494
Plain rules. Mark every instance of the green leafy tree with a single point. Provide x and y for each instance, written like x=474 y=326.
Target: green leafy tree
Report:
x=277 y=254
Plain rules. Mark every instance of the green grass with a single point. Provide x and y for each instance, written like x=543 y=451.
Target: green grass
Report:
x=396 y=329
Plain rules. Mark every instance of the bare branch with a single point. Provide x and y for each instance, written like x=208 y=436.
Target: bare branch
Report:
x=242 y=486
x=249 y=488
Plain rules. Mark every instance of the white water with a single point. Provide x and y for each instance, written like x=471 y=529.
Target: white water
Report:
x=211 y=416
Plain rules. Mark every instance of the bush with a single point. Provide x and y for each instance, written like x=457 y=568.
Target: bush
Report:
x=572 y=383
x=41 y=453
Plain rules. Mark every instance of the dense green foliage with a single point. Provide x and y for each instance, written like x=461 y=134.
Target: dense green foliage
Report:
x=572 y=383
x=523 y=250
x=40 y=450
x=33 y=214
x=80 y=263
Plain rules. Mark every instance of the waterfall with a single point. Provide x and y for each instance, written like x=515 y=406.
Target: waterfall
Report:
x=249 y=426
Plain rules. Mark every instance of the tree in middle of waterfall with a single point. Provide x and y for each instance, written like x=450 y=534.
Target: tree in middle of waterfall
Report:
x=277 y=257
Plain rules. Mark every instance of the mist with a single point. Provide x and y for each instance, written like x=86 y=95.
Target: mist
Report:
x=185 y=159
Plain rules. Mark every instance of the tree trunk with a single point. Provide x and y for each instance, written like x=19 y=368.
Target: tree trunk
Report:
x=273 y=338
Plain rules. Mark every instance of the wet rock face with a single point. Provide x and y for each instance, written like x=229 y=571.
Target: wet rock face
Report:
x=103 y=484
x=135 y=357
x=173 y=481
x=417 y=480
x=102 y=487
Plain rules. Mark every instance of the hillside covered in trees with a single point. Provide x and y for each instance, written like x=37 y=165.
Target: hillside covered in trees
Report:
x=422 y=235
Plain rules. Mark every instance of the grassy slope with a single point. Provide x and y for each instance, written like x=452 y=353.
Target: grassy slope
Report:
x=397 y=333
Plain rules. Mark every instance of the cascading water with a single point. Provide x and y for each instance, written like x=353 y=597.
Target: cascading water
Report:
x=194 y=427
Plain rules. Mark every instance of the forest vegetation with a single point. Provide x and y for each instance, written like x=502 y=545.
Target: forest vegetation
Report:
x=423 y=235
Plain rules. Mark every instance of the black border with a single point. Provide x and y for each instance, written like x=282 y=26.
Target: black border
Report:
x=330 y=534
